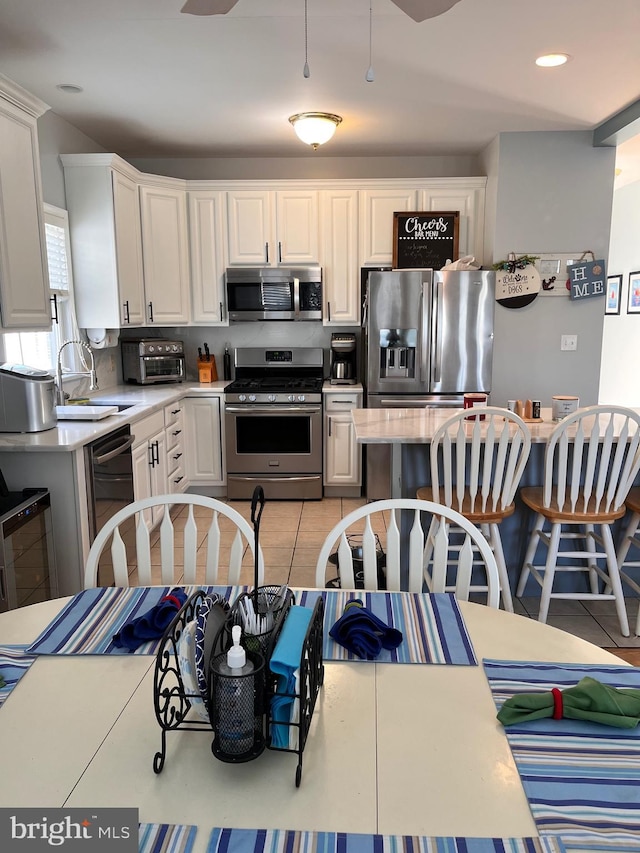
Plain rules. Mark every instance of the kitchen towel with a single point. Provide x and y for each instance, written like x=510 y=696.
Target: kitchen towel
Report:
x=361 y=632
x=431 y=624
x=288 y=841
x=87 y=624
x=582 y=779
x=13 y=665
x=165 y=838
x=284 y=663
x=152 y=624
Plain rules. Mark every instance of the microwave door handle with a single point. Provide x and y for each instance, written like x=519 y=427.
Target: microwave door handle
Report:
x=296 y=296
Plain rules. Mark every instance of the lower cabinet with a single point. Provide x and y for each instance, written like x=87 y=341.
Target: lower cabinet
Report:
x=204 y=457
x=174 y=436
x=342 y=454
x=149 y=458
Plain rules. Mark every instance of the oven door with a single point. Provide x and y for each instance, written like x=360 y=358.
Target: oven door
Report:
x=277 y=447
x=161 y=368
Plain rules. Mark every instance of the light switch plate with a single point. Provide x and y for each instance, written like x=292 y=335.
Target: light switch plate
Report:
x=569 y=342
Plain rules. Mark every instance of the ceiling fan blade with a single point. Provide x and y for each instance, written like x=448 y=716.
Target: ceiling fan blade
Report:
x=208 y=7
x=420 y=10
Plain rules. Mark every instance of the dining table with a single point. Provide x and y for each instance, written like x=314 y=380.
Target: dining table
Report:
x=397 y=747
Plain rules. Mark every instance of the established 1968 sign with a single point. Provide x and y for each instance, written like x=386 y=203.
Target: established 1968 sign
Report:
x=587 y=278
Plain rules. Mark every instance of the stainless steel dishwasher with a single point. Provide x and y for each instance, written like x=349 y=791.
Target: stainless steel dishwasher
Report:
x=109 y=473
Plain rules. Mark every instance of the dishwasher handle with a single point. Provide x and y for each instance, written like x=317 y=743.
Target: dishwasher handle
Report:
x=116 y=451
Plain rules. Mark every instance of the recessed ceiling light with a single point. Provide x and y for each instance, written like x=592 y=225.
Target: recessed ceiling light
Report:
x=70 y=88
x=551 y=60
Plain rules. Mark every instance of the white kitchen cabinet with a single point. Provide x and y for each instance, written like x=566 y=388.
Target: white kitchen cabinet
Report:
x=24 y=280
x=377 y=206
x=149 y=459
x=204 y=463
x=339 y=257
x=106 y=240
x=208 y=257
x=467 y=196
x=174 y=443
x=165 y=254
x=268 y=228
x=342 y=454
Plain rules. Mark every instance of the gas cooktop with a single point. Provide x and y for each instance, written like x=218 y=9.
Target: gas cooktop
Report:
x=276 y=384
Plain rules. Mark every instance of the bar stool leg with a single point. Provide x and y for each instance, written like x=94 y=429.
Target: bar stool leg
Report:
x=614 y=578
x=532 y=547
x=496 y=544
x=549 y=572
x=590 y=546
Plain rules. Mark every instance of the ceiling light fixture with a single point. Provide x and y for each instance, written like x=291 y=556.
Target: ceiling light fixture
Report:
x=552 y=60
x=315 y=128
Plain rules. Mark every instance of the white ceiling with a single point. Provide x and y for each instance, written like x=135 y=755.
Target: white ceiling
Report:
x=160 y=83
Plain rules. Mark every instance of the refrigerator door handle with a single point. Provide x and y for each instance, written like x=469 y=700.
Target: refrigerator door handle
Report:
x=424 y=326
x=436 y=361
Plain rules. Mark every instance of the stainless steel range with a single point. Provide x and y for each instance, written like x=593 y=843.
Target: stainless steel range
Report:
x=273 y=420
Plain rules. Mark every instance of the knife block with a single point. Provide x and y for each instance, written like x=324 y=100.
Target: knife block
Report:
x=207 y=370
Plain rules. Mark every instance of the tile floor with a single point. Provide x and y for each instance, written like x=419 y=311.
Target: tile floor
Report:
x=292 y=533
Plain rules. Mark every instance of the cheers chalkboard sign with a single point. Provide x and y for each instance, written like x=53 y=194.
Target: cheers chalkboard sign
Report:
x=425 y=239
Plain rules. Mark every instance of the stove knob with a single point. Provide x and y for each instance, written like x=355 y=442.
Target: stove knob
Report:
x=151 y=348
x=242 y=398
x=291 y=398
x=272 y=398
x=252 y=398
x=301 y=398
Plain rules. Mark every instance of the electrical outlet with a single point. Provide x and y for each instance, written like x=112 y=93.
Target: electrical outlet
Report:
x=569 y=342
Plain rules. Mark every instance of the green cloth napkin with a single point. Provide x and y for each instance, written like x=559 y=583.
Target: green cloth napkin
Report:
x=588 y=700
x=2 y=681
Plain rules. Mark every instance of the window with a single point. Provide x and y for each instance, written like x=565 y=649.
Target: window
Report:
x=39 y=349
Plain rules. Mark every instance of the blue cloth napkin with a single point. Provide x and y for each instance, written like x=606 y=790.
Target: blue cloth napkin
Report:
x=152 y=624
x=284 y=662
x=363 y=633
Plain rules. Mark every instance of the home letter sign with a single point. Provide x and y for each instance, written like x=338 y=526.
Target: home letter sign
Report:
x=587 y=278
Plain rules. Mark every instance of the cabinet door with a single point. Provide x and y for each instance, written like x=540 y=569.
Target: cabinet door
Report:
x=24 y=280
x=165 y=252
x=250 y=219
x=203 y=443
x=128 y=233
x=158 y=468
x=469 y=201
x=206 y=234
x=376 y=212
x=339 y=257
x=342 y=455
x=297 y=227
x=141 y=459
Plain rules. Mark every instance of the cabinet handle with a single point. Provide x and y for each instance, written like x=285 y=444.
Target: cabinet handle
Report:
x=177 y=479
x=175 y=411
x=151 y=312
x=177 y=456
x=329 y=427
x=279 y=252
x=155 y=454
x=328 y=312
x=221 y=311
x=266 y=252
x=177 y=432
x=125 y=306
x=54 y=307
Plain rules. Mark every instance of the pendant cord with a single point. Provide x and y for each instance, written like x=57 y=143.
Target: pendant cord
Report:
x=369 y=75
x=305 y=71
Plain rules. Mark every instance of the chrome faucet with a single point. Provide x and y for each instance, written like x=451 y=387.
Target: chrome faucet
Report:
x=91 y=373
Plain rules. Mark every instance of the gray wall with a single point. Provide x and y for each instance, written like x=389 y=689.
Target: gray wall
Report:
x=56 y=136
x=552 y=193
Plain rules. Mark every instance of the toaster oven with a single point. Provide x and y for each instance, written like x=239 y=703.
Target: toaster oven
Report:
x=146 y=361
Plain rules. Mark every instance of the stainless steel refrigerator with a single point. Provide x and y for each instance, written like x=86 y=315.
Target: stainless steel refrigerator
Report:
x=428 y=341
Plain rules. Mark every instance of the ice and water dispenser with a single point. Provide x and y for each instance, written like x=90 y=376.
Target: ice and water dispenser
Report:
x=398 y=349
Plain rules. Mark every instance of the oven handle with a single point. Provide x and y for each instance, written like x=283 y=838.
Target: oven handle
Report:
x=272 y=410
x=251 y=478
x=111 y=454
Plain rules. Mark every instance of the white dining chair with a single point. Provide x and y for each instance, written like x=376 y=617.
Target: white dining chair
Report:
x=210 y=524
x=387 y=526
x=476 y=468
x=588 y=472
x=631 y=538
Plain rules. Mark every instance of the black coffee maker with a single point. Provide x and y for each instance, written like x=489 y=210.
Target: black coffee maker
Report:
x=343 y=358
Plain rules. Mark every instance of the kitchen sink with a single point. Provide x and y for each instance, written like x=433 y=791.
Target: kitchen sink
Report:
x=121 y=407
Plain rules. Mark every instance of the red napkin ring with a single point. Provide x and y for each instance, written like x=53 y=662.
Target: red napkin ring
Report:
x=557 y=703
x=172 y=599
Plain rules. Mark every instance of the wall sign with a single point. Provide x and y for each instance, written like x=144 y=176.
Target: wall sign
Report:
x=518 y=287
x=587 y=279
x=425 y=239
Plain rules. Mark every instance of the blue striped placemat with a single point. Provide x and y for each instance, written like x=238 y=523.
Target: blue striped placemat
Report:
x=165 y=838
x=432 y=626
x=582 y=779
x=13 y=665
x=290 y=841
x=86 y=624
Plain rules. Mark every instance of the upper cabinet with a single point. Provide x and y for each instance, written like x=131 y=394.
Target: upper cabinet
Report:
x=165 y=253
x=377 y=207
x=24 y=281
x=339 y=256
x=106 y=240
x=270 y=228
x=208 y=259
x=466 y=195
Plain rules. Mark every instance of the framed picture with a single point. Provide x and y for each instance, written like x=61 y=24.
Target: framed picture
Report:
x=614 y=285
x=633 y=302
x=425 y=239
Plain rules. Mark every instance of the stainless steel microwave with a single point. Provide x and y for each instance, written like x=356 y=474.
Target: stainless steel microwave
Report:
x=274 y=293
x=147 y=361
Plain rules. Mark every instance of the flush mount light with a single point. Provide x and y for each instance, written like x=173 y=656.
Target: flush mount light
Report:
x=70 y=88
x=552 y=60
x=315 y=128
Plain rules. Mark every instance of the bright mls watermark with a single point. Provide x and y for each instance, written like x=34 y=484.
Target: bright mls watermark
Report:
x=79 y=830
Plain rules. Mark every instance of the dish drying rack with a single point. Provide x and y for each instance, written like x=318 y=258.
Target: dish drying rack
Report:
x=172 y=702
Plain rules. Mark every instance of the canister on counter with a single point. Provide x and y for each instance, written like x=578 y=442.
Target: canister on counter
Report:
x=535 y=410
x=470 y=401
